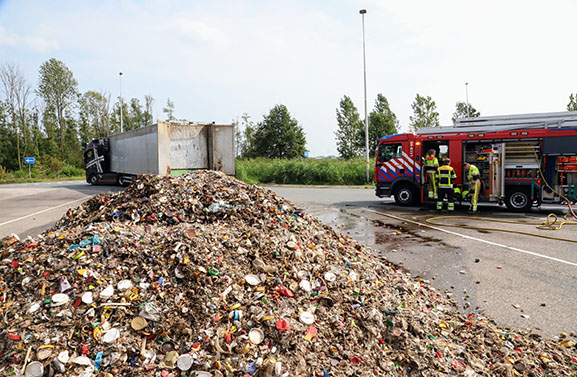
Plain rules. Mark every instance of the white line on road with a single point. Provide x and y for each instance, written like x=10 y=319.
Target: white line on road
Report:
x=474 y=238
x=44 y=210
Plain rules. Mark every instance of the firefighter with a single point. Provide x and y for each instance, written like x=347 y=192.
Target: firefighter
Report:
x=431 y=166
x=474 y=181
x=457 y=193
x=447 y=176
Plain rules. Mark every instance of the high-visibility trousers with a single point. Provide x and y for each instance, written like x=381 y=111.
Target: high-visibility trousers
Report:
x=475 y=190
x=432 y=184
x=449 y=193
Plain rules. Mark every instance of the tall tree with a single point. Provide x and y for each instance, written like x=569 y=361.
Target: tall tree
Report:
x=244 y=135
x=382 y=121
x=116 y=114
x=17 y=92
x=58 y=88
x=49 y=145
x=350 y=129
x=169 y=110
x=572 y=105
x=464 y=110
x=133 y=115
x=424 y=113
x=278 y=136
x=94 y=116
x=148 y=104
x=7 y=140
x=137 y=118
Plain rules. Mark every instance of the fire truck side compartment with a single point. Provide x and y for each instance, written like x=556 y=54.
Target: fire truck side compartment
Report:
x=560 y=146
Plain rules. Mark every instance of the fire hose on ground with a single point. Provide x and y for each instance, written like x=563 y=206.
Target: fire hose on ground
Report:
x=550 y=223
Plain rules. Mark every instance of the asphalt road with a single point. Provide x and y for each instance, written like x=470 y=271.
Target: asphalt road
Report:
x=518 y=280
x=30 y=208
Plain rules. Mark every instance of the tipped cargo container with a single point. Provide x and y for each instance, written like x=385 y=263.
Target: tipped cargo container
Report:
x=164 y=148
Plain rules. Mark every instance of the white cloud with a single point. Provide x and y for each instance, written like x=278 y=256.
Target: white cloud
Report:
x=7 y=39
x=195 y=30
x=31 y=42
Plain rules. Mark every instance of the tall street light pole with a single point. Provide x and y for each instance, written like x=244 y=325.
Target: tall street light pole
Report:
x=362 y=12
x=467 y=98
x=121 y=104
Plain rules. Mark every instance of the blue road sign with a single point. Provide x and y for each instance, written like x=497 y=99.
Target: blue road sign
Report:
x=29 y=160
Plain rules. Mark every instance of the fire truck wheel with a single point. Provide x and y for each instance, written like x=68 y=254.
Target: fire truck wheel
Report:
x=518 y=199
x=93 y=179
x=406 y=195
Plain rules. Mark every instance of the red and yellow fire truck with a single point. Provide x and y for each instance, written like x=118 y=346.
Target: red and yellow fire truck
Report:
x=524 y=160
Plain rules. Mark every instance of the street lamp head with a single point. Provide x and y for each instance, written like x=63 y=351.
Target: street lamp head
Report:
x=120 y=73
x=363 y=11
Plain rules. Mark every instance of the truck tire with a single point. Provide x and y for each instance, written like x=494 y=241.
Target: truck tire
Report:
x=93 y=179
x=405 y=194
x=518 y=199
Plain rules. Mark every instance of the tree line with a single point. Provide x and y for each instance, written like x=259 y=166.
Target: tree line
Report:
x=279 y=135
x=54 y=121
x=350 y=135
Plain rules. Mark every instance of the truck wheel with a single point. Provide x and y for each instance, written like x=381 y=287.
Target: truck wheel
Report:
x=518 y=199
x=406 y=195
x=93 y=179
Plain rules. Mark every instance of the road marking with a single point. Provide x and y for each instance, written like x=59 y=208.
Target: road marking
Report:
x=475 y=238
x=44 y=210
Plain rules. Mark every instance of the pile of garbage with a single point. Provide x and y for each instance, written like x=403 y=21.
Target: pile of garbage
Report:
x=203 y=275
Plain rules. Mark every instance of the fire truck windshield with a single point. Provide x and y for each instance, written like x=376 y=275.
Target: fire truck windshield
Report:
x=389 y=151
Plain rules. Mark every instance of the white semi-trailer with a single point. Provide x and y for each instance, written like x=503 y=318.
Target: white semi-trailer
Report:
x=164 y=148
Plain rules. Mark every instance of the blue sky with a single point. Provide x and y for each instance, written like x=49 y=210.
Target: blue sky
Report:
x=219 y=59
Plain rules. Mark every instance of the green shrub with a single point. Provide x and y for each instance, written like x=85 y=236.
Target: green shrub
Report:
x=303 y=171
x=70 y=171
x=20 y=173
x=51 y=162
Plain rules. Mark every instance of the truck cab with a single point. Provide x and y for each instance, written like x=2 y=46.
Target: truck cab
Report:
x=97 y=163
x=398 y=168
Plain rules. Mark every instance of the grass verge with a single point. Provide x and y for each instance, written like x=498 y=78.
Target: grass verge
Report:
x=66 y=173
x=304 y=171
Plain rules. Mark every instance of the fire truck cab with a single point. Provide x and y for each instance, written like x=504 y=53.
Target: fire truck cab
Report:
x=524 y=160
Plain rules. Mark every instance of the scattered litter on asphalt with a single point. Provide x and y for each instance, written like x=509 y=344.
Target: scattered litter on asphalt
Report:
x=203 y=275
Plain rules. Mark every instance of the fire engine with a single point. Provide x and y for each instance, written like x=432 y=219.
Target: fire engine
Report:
x=524 y=160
